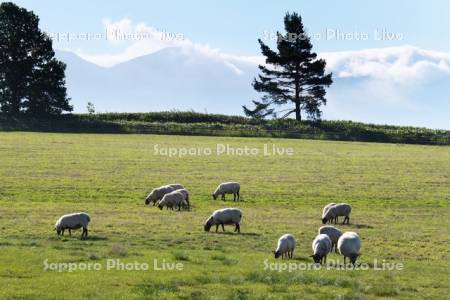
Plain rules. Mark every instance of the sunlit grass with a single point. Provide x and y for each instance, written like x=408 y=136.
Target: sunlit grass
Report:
x=400 y=197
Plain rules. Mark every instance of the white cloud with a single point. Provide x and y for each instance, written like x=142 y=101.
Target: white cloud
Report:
x=398 y=64
x=401 y=65
x=140 y=39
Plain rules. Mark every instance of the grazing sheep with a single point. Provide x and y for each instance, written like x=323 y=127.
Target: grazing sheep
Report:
x=349 y=245
x=173 y=199
x=321 y=246
x=225 y=216
x=185 y=192
x=286 y=246
x=325 y=209
x=158 y=193
x=333 y=233
x=338 y=210
x=227 y=188
x=73 y=221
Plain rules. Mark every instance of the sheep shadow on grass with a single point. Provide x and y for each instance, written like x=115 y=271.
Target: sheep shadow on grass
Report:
x=91 y=238
x=362 y=226
x=96 y=238
x=235 y=233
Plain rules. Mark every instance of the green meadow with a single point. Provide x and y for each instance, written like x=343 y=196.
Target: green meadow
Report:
x=401 y=209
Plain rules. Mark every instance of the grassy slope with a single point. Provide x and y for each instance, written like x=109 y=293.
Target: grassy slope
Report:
x=400 y=195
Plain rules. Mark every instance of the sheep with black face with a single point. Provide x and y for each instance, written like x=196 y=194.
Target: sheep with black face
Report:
x=175 y=199
x=73 y=221
x=349 y=245
x=227 y=188
x=338 y=210
x=321 y=246
x=225 y=216
x=158 y=193
x=285 y=247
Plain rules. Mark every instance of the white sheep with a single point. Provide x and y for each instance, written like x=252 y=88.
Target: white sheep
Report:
x=338 y=210
x=349 y=245
x=73 y=221
x=225 y=216
x=333 y=233
x=286 y=246
x=158 y=193
x=172 y=200
x=321 y=246
x=227 y=188
x=325 y=209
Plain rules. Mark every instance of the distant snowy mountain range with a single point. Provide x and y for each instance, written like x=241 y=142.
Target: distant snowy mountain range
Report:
x=401 y=85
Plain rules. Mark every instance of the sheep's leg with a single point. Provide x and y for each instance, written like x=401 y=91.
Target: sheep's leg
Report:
x=344 y=261
x=84 y=233
x=223 y=228
x=325 y=259
x=239 y=197
x=238 y=227
x=62 y=232
x=223 y=197
x=234 y=197
x=217 y=227
x=70 y=232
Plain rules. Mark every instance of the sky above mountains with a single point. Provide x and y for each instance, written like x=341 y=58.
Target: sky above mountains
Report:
x=390 y=58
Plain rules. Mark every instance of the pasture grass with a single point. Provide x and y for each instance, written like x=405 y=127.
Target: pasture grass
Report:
x=400 y=197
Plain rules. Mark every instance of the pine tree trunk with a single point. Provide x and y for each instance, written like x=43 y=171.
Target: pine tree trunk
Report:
x=298 y=115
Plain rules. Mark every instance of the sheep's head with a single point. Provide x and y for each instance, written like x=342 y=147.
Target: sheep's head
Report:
x=208 y=224
x=214 y=196
x=151 y=197
x=317 y=258
x=353 y=258
x=185 y=204
x=58 y=230
x=324 y=220
x=160 y=206
x=277 y=254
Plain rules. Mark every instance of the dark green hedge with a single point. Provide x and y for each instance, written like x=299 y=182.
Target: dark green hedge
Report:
x=191 y=123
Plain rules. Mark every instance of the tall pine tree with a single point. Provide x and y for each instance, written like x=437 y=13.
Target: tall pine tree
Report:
x=292 y=76
x=32 y=80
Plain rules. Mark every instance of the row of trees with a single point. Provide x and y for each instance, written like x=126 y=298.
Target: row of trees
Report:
x=32 y=80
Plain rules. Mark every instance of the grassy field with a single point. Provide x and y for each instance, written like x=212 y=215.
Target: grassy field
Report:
x=401 y=209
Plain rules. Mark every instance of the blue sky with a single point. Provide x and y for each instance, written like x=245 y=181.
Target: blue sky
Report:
x=234 y=26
